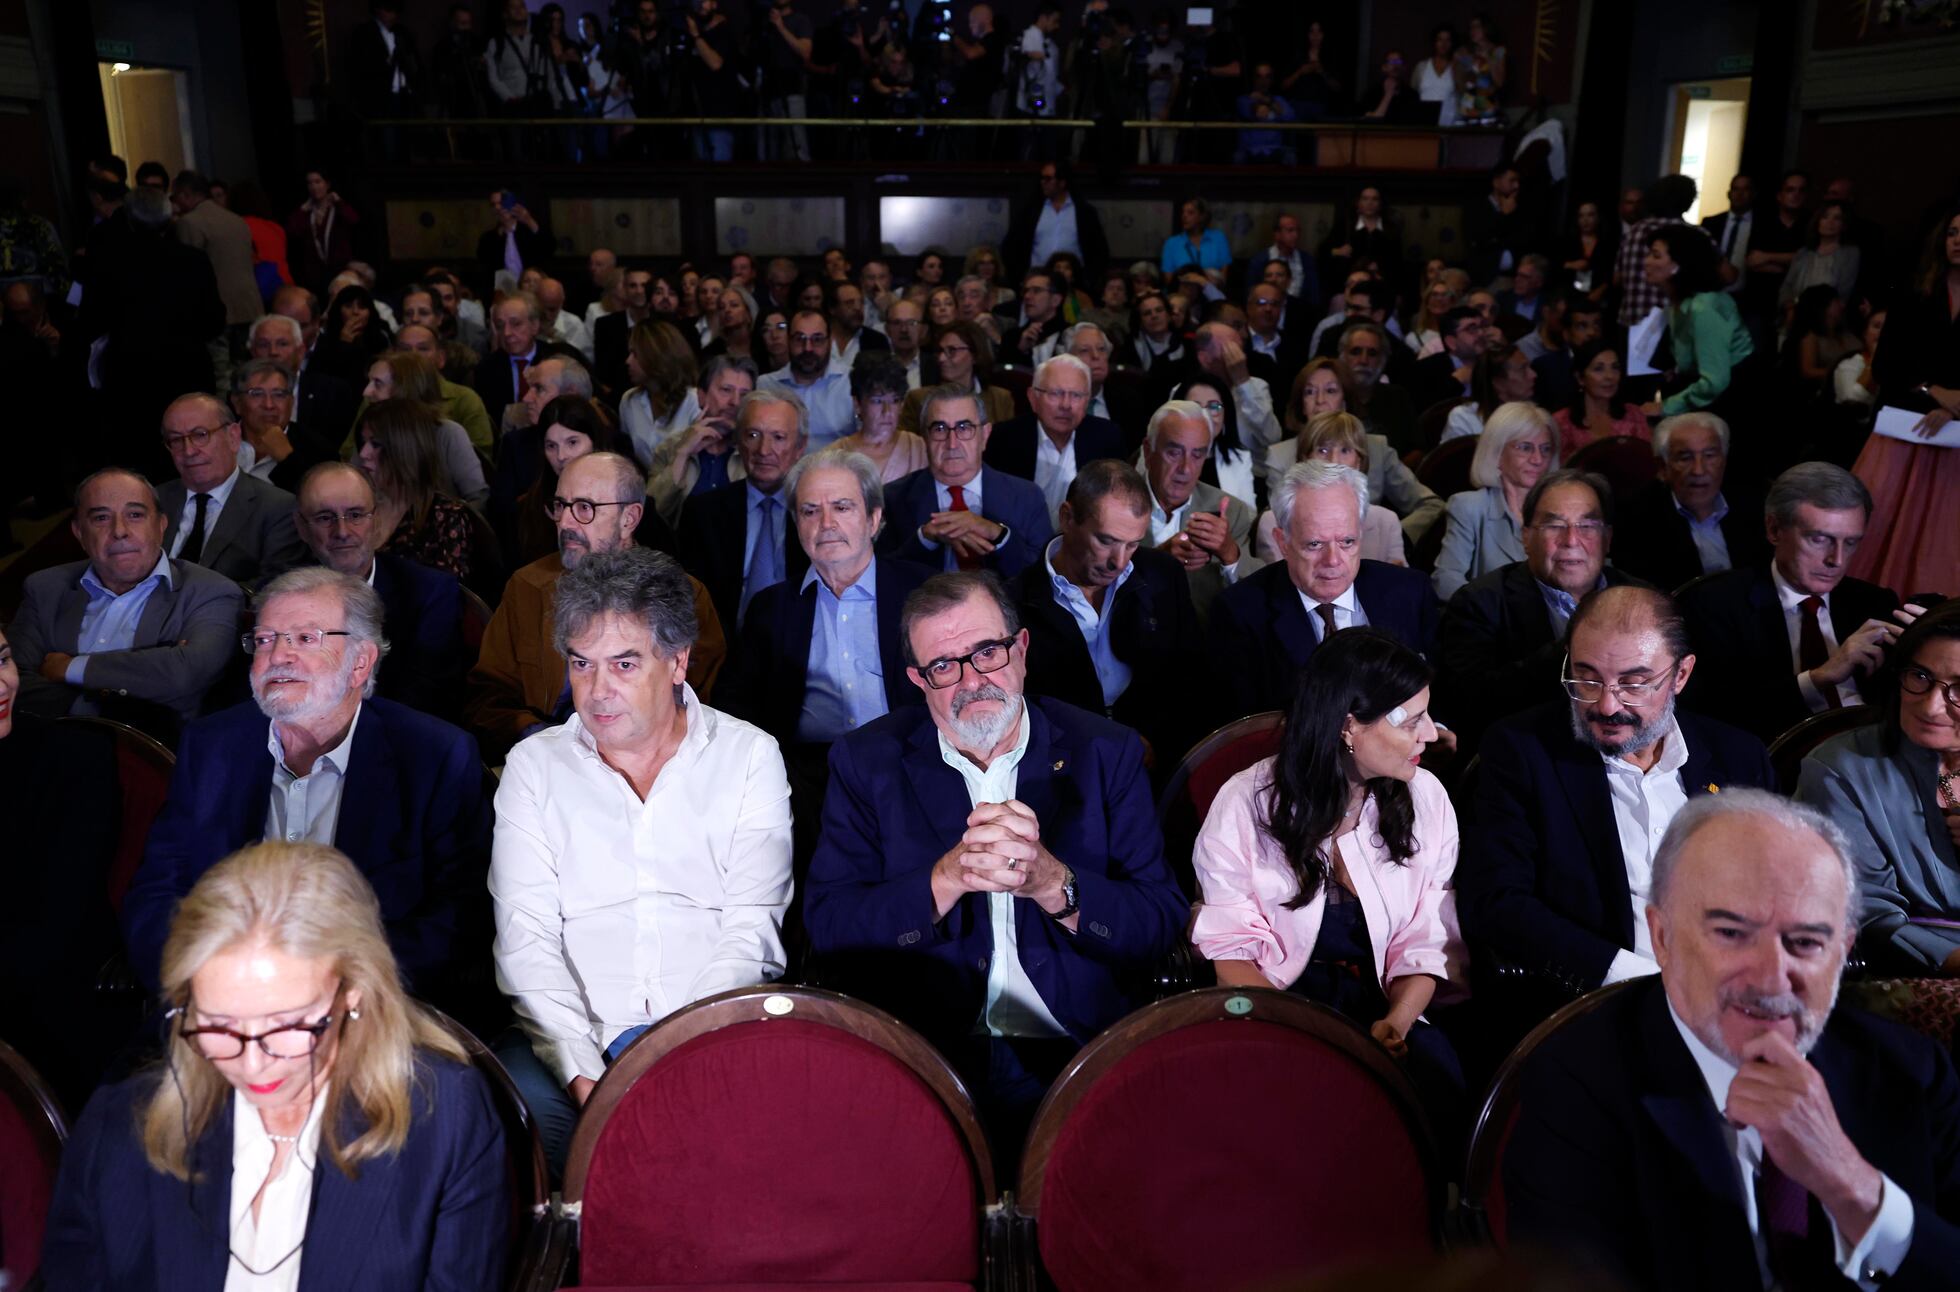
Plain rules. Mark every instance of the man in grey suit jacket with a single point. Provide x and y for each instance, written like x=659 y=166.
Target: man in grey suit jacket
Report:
x=128 y=633
x=1208 y=531
x=215 y=514
x=226 y=240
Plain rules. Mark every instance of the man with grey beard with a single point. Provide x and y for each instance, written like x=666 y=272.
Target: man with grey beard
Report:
x=1727 y=1126
x=990 y=867
x=317 y=757
x=1575 y=796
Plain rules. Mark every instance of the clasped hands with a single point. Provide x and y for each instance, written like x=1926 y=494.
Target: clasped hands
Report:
x=967 y=532
x=1001 y=852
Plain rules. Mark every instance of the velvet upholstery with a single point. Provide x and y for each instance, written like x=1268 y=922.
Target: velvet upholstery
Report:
x=30 y=1153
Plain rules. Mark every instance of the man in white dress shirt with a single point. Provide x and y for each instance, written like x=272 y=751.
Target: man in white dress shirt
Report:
x=642 y=854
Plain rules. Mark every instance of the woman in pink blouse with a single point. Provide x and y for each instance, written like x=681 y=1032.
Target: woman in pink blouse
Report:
x=1325 y=870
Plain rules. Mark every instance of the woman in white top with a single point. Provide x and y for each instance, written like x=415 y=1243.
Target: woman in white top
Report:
x=404 y=374
x=663 y=400
x=1486 y=523
x=307 y=1115
x=1436 y=75
x=1852 y=381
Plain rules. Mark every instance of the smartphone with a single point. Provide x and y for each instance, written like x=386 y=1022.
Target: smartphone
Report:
x=509 y=200
x=1198 y=17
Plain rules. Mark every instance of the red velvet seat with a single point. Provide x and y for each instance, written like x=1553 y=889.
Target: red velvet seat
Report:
x=1015 y=381
x=143 y=770
x=32 y=1131
x=781 y=1137
x=476 y=621
x=1627 y=462
x=1484 y=1210
x=1186 y=799
x=1222 y=1140
x=1446 y=468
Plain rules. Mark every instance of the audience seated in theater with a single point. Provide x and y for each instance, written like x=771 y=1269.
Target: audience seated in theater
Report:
x=573 y=427
x=515 y=322
x=422 y=608
x=1030 y=324
x=519 y=683
x=216 y=514
x=612 y=333
x=129 y=633
x=315 y=758
x=352 y=334
x=1156 y=347
x=323 y=405
x=520 y=446
x=990 y=867
x=459 y=403
x=1125 y=405
x=309 y=1116
x=1266 y=627
x=1796 y=635
x=821 y=386
x=1325 y=869
x=1205 y=530
x=1647 y=1126
x=642 y=854
x=1446 y=376
x=662 y=401
x=966 y=359
x=1878 y=782
x=1264 y=304
x=1575 y=794
x=1486 y=523
x=1503 y=633
x=404 y=374
x=1110 y=620
x=1501 y=375
x=1579 y=326
x=1340 y=438
x=1683 y=525
x=401 y=453
x=736 y=539
x=1051 y=443
x=1597 y=410
x=1711 y=349
x=878 y=389
x=704 y=456
x=960 y=513
x=274 y=447
x=1386 y=410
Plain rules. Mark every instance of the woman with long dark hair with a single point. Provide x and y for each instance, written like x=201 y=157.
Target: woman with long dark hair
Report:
x=351 y=336
x=1230 y=466
x=1325 y=870
x=1711 y=346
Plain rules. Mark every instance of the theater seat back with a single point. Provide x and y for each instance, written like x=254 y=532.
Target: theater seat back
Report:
x=32 y=1131
x=143 y=771
x=1212 y=761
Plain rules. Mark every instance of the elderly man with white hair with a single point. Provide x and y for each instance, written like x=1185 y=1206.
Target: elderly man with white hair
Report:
x=1205 y=529
x=323 y=405
x=1266 y=627
x=1724 y=1124
x=1051 y=443
x=1686 y=524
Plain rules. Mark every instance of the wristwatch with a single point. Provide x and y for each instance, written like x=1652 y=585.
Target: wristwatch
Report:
x=1069 y=903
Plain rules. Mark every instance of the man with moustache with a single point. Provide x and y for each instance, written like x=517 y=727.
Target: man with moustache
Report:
x=1726 y=1125
x=519 y=683
x=1574 y=797
x=401 y=793
x=821 y=386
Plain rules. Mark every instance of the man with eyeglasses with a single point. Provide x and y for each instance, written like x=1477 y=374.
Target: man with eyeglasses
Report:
x=1796 y=634
x=702 y=458
x=1575 y=796
x=990 y=867
x=1051 y=443
x=275 y=449
x=1683 y=525
x=1502 y=633
x=316 y=757
x=422 y=607
x=1386 y=409
x=1030 y=324
x=218 y=516
x=518 y=685
x=739 y=539
x=814 y=380
x=1445 y=375
x=1265 y=309
x=905 y=327
x=959 y=513
x=323 y=404
x=128 y=633
x=1205 y=530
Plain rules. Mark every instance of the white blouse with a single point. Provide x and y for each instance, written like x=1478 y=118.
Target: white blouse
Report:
x=645 y=430
x=265 y=1243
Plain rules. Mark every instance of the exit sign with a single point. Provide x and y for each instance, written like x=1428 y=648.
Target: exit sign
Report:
x=1735 y=64
x=115 y=51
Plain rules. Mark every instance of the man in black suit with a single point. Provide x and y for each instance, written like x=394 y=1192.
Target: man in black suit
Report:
x=1796 y=636
x=1059 y=437
x=1288 y=350
x=513 y=243
x=385 y=69
x=612 y=332
x=1125 y=403
x=1386 y=409
x=554 y=372
x=217 y=515
x=1497 y=231
x=1682 y=526
x=1446 y=375
x=1503 y=633
x=1111 y=625
x=1028 y=324
x=515 y=322
x=957 y=513
x=1730 y=230
x=1725 y=1126
x=1265 y=627
x=849 y=337
x=735 y=539
x=1055 y=221
x=1581 y=323
x=1574 y=797
x=322 y=405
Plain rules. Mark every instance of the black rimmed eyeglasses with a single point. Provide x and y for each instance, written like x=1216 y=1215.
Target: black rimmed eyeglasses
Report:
x=987 y=657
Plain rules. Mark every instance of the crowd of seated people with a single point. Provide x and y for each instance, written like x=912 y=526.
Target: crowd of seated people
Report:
x=846 y=628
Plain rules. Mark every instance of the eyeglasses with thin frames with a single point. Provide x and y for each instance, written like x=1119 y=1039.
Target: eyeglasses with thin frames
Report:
x=1633 y=695
x=300 y=639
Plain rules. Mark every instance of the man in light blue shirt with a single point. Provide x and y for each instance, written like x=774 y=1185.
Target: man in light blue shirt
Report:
x=824 y=388
x=839 y=506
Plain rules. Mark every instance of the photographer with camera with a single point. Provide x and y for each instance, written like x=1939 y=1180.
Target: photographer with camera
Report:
x=518 y=65
x=707 y=54
x=1038 y=90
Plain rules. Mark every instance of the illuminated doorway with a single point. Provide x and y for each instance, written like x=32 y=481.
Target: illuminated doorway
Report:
x=1705 y=141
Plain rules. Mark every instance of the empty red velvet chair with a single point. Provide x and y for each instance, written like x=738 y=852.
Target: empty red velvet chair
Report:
x=1446 y=468
x=32 y=1131
x=143 y=769
x=1225 y=1140
x=778 y=1137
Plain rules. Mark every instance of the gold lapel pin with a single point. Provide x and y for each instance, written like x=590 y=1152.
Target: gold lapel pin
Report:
x=1060 y=763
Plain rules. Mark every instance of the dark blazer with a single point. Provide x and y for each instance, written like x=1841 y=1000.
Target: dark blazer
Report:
x=1018 y=245
x=1383 y=246
x=910 y=502
x=1542 y=881
x=1261 y=639
x=1651 y=539
x=1153 y=627
x=610 y=334
x=1433 y=380
x=894 y=808
x=532 y=248
x=254 y=537
x=1496 y=651
x=1744 y=671
x=1011 y=448
x=373 y=68
x=308 y=452
x=326 y=408
x=1488 y=233
x=413 y=817
x=427 y=659
x=1010 y=350
x=767 y=683
x=713 y=538
x=496 y=387
x=1619 y=1152
x=436 y=1210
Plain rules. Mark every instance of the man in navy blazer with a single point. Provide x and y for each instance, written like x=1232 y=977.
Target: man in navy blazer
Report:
x=1649 y=1125
x=1574 y=796
x=1049 y=445
x=399 y=792
x=1265 y=627
x=771 y=431
x=958 y=513
x=990 y=867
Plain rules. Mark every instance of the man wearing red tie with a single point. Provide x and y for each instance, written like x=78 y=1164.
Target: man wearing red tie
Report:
x=957 y=514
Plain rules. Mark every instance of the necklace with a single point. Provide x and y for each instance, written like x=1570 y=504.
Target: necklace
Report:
x=1946 y=789
x=282 y=1139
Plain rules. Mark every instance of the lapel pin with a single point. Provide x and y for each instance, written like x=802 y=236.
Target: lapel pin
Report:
x=1060 y=763
x=1713 y=788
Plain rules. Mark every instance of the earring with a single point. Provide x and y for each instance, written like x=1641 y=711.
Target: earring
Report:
x=354 y=1013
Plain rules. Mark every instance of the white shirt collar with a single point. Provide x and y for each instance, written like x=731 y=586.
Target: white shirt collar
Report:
x=1717 y=1071
x=1346 y=601
x=698 y=731
x=1673 y=756
x=1791 y=597
x=971 y=771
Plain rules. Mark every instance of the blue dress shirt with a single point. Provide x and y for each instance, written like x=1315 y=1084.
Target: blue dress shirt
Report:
x=845 y=687
x=1212 y=252
x=1709 y=540
x=1561 y=603
x=1113 y=673
x=109 y=621
x=827 y=399
x=762 y=554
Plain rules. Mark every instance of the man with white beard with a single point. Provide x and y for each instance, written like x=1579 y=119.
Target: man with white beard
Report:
x=1005 y=849
x=317 y=757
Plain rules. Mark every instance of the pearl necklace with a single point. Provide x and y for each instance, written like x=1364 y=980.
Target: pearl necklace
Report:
x=282 y=1139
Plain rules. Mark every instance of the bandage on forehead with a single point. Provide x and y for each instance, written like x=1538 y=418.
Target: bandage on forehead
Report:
x=1396 y=717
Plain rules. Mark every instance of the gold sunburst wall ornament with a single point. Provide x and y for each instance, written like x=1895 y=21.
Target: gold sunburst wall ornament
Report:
x=316 y=36
x=1544 y=34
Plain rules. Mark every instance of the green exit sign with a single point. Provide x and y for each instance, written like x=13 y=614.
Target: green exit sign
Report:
x=115 y=51
x=1735 y=64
